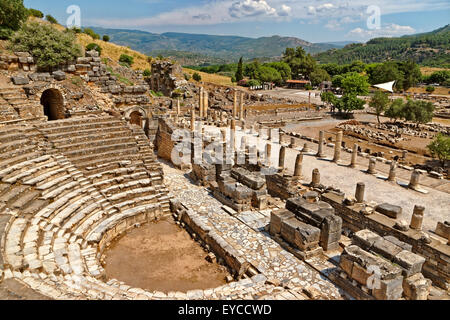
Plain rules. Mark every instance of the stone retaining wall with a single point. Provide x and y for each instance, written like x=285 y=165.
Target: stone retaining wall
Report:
x=437 y=254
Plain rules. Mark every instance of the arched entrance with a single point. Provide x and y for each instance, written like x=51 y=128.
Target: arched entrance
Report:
x=136 y=118
x=53 y=102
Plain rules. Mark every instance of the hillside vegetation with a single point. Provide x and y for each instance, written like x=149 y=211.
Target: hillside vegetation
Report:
x=225 y=48
x=428 y=49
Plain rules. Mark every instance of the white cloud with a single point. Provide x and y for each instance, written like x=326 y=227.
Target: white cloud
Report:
x=284 y=11
x=251 y=8
x=333 y=13
x=388 y=30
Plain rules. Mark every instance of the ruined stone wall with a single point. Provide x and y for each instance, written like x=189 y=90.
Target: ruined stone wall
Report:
x=163 y=140
x=437 y=255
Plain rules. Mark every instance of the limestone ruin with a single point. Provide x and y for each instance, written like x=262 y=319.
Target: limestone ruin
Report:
x=83 y=163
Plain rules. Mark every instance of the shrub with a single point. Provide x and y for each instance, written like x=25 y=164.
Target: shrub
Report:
x=187 y=76
x=197 y=77
x=35 y=13
x=49 y=46
x=430 y=89
x=5 y=33
x=440 y=147
x=51 y=19
x=76 y=30
x=126 y=59
x=91 y=33
x=106 y=38
x=147 y=73
x=94 y=46
x=253 y=83
x=12 y=14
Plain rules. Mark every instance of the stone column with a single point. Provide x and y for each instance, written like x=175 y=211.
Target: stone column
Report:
x=337 y=147
x=354 y=156
x=315 y=178
x=178 y=108
x=281 y=158
x=293 y=143
x=417 y=218
x=320 y=153
x=414 y=182
x=243 y=142
x=359 y=194
x=235 y=105
x=193 y=119
x=298 y=166
x=233 y=134
x=269 y=134
x=306 y=148
x=392 y=172
x=372 y=165
x=200 y=103
x=404 y=154
x=241 y=109
x=268 y=154
x=223 y=132
x=205 y=103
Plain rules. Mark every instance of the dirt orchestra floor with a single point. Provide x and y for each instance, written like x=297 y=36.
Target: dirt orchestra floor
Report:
x=162 y=257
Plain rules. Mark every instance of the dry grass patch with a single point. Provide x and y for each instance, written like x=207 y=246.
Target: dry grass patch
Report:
x=211 y=78
x=113 y=51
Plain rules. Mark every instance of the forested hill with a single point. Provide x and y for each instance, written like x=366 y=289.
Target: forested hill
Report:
x=428 y=49
x=219 y=49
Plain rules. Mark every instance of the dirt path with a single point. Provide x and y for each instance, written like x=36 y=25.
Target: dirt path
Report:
x=162 y=256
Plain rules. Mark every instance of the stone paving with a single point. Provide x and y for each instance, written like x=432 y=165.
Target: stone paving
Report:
x=259 y=249
x=378 y=190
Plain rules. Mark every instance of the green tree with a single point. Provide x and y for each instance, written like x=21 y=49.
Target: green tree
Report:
x=439 y=77
x=395 y=109
x=411 y=74
x=240 y=72
x=379 y=103
x=349 y=102
x=440 y=147
x=268 y=74
x=35 y=13
x=106 y=38
x=386 y=72
x=51 y=19
x=283 y=68
x=329 y=98
x=301 y=64
x=49 y=46
x=418 y=111
x=336 y=81
x=197 y=77
x=318 y=76
x=355 y=84
x=12 y=15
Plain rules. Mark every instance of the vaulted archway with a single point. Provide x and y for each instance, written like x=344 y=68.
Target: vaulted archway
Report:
x=53 y=102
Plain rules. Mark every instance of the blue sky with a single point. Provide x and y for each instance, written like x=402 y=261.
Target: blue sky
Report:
x=313 y=20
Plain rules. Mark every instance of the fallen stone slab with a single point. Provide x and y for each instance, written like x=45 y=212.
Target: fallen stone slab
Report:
x=390 y=210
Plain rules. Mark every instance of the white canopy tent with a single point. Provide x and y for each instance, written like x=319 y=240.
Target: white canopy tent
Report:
x=388 y=86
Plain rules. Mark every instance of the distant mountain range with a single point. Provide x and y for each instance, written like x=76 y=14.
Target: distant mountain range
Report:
x=428 y=49
x=197 y=49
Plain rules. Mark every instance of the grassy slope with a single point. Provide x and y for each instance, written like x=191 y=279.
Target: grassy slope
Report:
x=211 y=78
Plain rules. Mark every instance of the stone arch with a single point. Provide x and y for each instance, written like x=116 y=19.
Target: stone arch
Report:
x=136 y=116
x=52 y=100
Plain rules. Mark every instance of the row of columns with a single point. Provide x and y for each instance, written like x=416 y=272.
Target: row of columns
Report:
x=418 y=211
